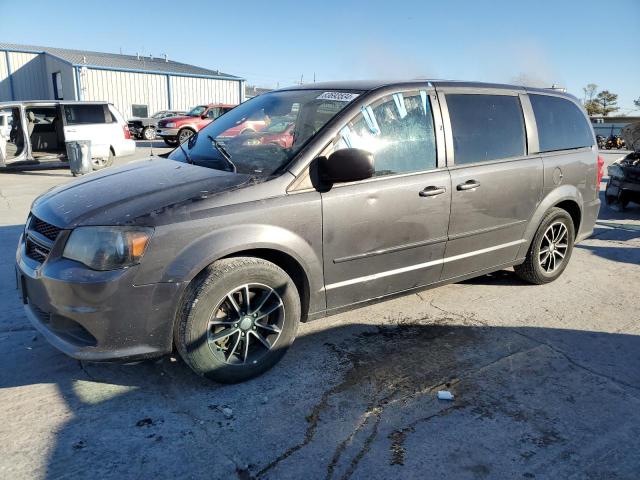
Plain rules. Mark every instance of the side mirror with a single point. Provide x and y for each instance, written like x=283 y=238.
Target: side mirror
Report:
x=346 y=165
x=203 y=117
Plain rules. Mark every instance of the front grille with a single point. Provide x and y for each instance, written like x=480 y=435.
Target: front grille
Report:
x=44 y=228
x=40 y=237
x=36 y=251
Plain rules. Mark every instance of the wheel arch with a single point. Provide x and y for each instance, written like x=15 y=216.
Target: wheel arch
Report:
x=291 y=253
x=566 y=197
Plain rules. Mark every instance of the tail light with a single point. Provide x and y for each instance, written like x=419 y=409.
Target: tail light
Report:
x=127 y=133
x=600 y=173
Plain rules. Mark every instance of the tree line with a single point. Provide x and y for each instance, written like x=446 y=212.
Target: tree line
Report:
x=601 y=102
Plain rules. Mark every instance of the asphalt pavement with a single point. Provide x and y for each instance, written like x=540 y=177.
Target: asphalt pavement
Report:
x=546 y=383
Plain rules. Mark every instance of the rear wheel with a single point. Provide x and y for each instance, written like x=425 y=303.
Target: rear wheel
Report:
x=100 y=163
x=550 y=249
x=238 y=319
x=171 y=142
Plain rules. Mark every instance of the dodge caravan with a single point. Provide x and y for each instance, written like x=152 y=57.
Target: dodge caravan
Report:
x=39 y=129
x=222 y=249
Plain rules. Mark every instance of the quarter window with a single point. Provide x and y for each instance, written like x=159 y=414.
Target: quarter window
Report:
x=486 y=127
x=561 y=124
x=398 y=130
x=84 y=114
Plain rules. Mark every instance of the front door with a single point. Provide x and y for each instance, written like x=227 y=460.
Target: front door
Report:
x=14 y=140
x=496 y=186
x=388 y=233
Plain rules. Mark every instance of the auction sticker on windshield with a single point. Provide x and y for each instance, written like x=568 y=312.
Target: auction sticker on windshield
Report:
x=338 y=96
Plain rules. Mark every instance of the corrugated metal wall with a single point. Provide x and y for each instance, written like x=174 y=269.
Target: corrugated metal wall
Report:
x=68 y=80
x=5 y=86
x=29 y=77
x=124 y=89
x=190 y=91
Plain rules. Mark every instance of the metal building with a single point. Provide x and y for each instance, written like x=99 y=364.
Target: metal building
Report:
x=136 y=85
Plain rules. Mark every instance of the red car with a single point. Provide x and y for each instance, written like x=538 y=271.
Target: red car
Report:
x=176 y=130
x=278 y=133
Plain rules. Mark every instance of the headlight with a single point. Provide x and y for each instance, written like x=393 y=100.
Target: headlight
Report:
x=107 y=248
x=170 y=125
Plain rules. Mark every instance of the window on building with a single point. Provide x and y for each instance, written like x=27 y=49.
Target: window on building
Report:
x=58 y=93
x=398 y=130
x=84 y=114
x=486 y=127
x=561 y=124
x=141 y=111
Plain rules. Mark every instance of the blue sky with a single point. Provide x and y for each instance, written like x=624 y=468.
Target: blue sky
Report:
x=273 y=43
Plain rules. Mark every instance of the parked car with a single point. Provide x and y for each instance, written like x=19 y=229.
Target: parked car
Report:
x=39 y=130
x=145 y=128
x=222 y=249
x=279 y=133
x=176 y=130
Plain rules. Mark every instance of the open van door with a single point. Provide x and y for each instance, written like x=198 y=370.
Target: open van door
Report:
x=14 y=142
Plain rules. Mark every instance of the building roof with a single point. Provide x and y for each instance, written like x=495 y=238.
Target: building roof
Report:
x=116 y=61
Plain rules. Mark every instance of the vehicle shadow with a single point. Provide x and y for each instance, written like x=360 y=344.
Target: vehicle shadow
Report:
x=348 y=400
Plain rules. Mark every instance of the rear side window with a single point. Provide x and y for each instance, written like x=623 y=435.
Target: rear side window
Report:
x=561 y=124
x=486 y=127
x=84 y=114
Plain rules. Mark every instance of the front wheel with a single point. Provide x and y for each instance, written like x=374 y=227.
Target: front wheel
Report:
x=550 y=249
x=170 y=142
x=149 y=133
x=184 y=135
x=238 y=319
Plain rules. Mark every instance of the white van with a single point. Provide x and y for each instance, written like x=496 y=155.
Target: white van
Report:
x=38 y=130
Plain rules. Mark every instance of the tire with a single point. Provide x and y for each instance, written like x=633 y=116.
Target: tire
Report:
x=210 y=349
x=534 y=269
x=185 y=134
x=100 y=163
x=171 y=143
x=149 y=134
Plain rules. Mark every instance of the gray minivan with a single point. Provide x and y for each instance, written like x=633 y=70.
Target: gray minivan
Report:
x=379 y=189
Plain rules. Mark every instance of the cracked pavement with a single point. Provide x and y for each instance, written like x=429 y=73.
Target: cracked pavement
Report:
x=546 y=382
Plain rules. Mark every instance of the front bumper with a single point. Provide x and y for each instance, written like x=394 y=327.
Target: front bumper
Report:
x=167 y=132
x=96 y=316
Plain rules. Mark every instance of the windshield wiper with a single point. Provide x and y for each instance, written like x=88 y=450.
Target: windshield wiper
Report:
x=186 y=154
x=223 y=152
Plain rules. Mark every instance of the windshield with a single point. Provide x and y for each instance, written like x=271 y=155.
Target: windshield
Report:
x=196 y=111
x=255 y=138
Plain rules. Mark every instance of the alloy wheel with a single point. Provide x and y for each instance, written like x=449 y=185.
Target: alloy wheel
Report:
x=553 y=247
x=246 y=324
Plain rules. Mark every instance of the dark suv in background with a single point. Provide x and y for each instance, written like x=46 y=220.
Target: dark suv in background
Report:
x=145 y=128
x=222 y=249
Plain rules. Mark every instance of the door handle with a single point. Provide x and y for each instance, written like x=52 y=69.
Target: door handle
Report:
x=468 y=185
x=71 y=130
x=432 y=191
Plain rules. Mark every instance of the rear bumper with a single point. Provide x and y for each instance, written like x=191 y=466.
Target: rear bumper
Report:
x=589 y=216
x=126 y=147
x=96 y=316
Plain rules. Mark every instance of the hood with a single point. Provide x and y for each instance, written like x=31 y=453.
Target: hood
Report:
x=631 y=136
x=180 y=119
x=136 y=193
